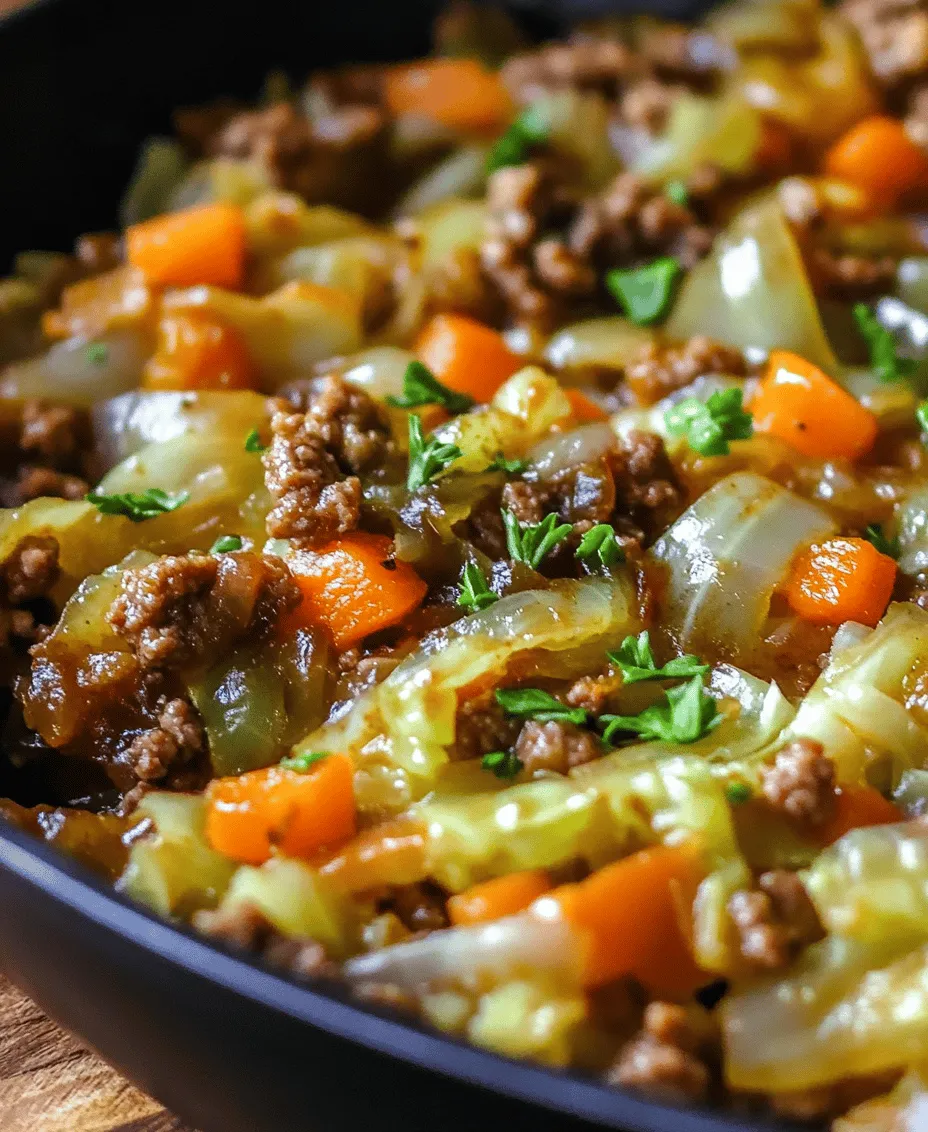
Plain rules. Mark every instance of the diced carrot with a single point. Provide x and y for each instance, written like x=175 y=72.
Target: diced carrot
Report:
x=843 y=579
x=393 y=852
x=857 y=806
x=296 y=813
x=197 y=351
x=878 y=155
x=502 y=896
x=585 y=409
x=466 y=356
x=802 y=405
x=458 y=93
x=353 y=587
x=630 y=912
x=198 y=245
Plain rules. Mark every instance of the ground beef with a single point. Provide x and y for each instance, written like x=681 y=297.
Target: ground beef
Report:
x=50 y=455
x=176 y=738
x=660 y=370
x=482 y=727
x=592 y=693
x=848 y=277
x=311 y=465
x=646 y=104
x=774 y=920
x=647 y=488
x=53 y=432
x=181 y=609
x=666 y=1058
x=801 y=782
x=601 y=65
x=313 y=157
x=420 y=907
x=894 y=35
x=245 y=928
x=97 y=252
x=556 y=746
x=31 y=569
x=36 y=481
x=819 y=1105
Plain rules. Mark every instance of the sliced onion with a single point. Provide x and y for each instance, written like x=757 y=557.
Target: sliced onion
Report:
x=610 y=343
x=727 y=553
x=912 y=282
x=912 y=529
x=379 y=371
x=583 y=445
x=70 y=371
x=462 y=174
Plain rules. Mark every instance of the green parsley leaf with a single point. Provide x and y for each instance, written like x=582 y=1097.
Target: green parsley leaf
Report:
x=253 y=442
x=504 y=764
x=138 y=505
x=644 y=293
x=302 y=762
x=636 y=660
x=532 y=544
x=474 y=592
x=528 y=130
x=738 y=793
x=426 y=458
x=226 y=543
x=510 y=467
x=535 y=703
x=883 y=357
x=689 y=713
x=600 y=542
x=98 y=353
x=422 y=387
x=677 y=192
x=710 y=425
x=888 y=546
x=921 y=415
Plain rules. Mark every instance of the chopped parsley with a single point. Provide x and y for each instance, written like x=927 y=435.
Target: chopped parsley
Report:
x=225 y=544
x=635 y=658
x=422 y=387
x=710 y=425
x=510 y=467
x=98 y=353
x=138 y=505
x=884 y=359
x=474 y=592
x=504 y=764
x=677 y=192
x=644 y=293
x=302 y=762
x=535 y=703
x=738 y=793
x=688 y=714
x=253 y=442
x=526 y=131
x=921 y=415
x=426 y=458
x=600 y=542
x=888 y=546
x=533 y=543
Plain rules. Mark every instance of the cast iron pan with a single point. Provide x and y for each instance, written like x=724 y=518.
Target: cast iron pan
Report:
x=226 y=1044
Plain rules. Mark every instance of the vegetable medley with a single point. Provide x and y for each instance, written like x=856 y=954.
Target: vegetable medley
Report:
x=468 y=536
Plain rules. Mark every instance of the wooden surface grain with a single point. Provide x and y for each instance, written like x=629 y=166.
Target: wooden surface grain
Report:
x=49 y=1082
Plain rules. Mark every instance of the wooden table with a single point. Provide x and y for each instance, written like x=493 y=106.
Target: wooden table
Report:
x=50 y=1083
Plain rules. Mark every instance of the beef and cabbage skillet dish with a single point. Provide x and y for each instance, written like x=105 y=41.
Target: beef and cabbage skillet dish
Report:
x=467 y=536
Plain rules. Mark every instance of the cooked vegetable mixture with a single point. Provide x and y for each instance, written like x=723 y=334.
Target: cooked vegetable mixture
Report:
x=468 y=536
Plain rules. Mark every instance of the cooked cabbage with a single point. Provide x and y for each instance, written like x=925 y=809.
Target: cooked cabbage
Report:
x=724 y=132
x=159 y=170
x=70 y=371
x=599 y=343
x=278 y=222
x=461 y=174
x=726 y=554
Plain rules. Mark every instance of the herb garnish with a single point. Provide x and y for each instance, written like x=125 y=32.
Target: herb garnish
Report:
x=533 y=543
x=302 y=762
x=677 y=192
x=889 y=546
x=535 y=703
x=689 y=713
x=98 y=353
x=510 y=467
x=504 y=764
x=226 y=543
x=527 y=130
x=253 y=442
x=644 y=293
x=635 y=658
x=884 y=359
x=738 y=793
x=600 y=542
x=422 y=387
x=710 y=425
x=474 y=592
x=921 y=415
x=426 y=458
x=138 y=505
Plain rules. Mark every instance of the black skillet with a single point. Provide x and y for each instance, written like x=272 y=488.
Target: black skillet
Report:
x=227 y=1045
